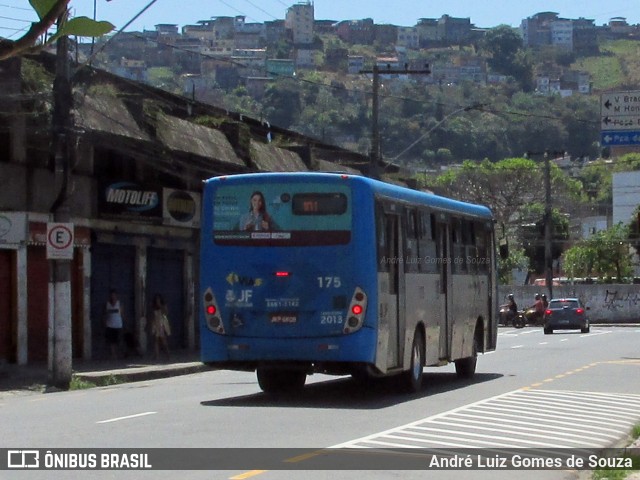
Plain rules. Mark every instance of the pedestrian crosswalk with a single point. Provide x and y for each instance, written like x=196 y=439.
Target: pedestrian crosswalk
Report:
x=526 y=418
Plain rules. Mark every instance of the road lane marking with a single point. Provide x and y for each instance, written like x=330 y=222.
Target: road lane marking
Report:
x=543 y=418
x=249 y=474
x=127 y=417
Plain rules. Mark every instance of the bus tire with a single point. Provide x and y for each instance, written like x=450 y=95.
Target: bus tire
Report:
x=273 y=380
x=466 y=367
x=412 y=378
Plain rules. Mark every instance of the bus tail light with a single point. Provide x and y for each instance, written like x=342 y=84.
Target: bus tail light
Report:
x=357 y=310
x=212 y=312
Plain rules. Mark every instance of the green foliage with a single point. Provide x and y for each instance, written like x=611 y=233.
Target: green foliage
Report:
x=80 y=384
x=104 y=89
x=507 y=186
x=162 y=77
x=618 y=66
x=517 y=259
x=35 y=77
x=507 y=56
x=79 y=26
x=597 y=177
x=604 y=255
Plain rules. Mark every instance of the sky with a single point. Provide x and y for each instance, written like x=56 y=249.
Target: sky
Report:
x=16 y=15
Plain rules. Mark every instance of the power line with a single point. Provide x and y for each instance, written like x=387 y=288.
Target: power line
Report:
x=261 y=9
x=135 y=17
x=16 y=8
x=16 y=19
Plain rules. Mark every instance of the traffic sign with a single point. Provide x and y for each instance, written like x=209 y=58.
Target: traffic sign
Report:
x=620 y=110
x=59 y=241
x=619 y=138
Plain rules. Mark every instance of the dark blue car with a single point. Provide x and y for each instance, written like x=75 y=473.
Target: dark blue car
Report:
x=565 y=314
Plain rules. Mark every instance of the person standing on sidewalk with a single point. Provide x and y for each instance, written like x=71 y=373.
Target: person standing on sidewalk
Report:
x=113 y=322
x=160 y=327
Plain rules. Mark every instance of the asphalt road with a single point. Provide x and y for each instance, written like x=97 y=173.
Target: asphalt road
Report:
x=567 y=390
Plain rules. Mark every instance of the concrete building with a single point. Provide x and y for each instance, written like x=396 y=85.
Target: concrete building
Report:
x=300 y=20
x=137 y=160
x=626 y=196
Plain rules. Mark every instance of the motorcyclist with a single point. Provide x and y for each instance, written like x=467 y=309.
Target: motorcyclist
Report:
x=508 y=311
x=545 y=301
x=538 y=308
x=513 y=306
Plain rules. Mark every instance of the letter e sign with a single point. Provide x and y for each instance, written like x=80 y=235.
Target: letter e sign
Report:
x=59 y=241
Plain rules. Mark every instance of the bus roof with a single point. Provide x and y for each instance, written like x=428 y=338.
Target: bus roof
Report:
x=403 y=194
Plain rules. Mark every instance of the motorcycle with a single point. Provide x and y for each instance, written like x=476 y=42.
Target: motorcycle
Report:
x=531 y=318
x=507 y=317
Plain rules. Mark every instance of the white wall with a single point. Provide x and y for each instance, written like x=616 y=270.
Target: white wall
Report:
x=616 y=303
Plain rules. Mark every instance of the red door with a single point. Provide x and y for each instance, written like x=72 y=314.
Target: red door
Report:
x=7 y=307
x=38 y=304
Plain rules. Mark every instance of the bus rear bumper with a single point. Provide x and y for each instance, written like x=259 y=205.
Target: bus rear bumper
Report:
x=323 y=354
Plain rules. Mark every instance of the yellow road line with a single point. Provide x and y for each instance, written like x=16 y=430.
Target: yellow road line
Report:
x=631 y=361
x=249 y=474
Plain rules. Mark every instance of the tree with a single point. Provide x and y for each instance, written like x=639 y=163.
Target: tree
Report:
x=605 y=254
x=506 y=186
x=284 y=101
x=598 y=176
x=508 y=57
x=49 y=11
x=516 y=259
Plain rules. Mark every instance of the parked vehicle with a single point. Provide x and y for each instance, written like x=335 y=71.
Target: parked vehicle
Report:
x=565 y=314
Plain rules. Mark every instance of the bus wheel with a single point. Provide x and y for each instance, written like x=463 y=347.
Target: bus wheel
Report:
x=412 y=378
x=466 y=367
x=273 y=380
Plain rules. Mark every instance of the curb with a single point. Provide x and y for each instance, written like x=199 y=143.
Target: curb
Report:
x=138 y=374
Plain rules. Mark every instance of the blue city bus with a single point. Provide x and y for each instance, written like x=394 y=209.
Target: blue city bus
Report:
x=344 y=275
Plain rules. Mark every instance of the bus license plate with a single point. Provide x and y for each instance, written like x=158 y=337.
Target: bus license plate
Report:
x=283 y=318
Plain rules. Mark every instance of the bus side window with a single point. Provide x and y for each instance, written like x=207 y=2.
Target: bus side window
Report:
x=458 y=253
x=427 y=243
x=470 y=249
x=482 y=247
x=411 y=256
x=381 y=240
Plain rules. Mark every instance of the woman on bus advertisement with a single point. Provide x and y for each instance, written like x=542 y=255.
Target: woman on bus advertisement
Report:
x=257 y=218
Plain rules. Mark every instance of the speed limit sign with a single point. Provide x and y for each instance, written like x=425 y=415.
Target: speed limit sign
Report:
x=59 y=241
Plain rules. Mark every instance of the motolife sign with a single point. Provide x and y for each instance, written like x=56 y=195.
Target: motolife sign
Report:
x=620 y=118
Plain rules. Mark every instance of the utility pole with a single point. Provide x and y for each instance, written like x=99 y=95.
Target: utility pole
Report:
x=60 y=354
x=548 y=260
x=375 y=156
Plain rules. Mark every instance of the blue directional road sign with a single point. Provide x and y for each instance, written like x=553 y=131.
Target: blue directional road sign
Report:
x=619 y=137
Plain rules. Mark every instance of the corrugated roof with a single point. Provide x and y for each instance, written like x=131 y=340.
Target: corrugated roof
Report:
x=107 y=114
x=326 y=166
x=269 y=158
x=184 y=136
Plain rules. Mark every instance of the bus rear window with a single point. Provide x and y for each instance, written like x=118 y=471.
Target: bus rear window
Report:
x=282 y=214
x=319 y=204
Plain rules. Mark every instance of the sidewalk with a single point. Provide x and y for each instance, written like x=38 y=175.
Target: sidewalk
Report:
x=103 y=372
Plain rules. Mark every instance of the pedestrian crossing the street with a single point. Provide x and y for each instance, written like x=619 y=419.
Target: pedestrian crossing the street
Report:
x=527 y=418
